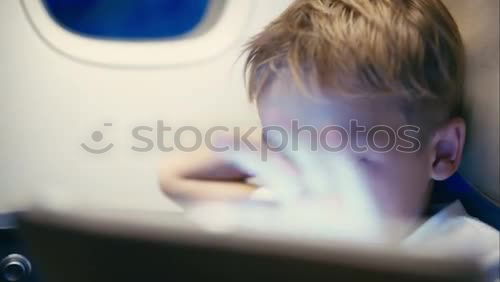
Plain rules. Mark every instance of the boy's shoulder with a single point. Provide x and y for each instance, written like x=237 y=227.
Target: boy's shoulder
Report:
x=452 y=232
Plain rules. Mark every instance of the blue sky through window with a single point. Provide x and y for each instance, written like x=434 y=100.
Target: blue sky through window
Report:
x=128 y=19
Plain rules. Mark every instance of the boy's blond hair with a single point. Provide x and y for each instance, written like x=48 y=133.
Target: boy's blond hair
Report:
x=407 y=48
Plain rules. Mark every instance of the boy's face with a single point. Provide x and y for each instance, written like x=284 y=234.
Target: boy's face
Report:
x=399 y=180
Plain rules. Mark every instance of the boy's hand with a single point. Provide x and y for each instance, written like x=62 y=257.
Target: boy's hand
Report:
x=315 y=190
x=310 y=183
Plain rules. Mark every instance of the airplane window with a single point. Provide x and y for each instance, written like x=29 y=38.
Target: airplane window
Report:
x=128 y=19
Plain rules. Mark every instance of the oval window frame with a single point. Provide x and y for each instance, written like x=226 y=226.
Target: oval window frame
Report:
x=189 y=49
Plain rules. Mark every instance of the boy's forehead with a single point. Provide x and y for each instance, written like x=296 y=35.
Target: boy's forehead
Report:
x=283 y=101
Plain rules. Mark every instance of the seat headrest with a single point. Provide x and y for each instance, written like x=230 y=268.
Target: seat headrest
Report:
x=478 y=21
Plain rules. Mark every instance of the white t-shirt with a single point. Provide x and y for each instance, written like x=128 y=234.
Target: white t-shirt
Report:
x=453 y=232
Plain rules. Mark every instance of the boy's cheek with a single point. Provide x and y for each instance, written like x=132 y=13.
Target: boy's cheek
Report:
x=399 y=184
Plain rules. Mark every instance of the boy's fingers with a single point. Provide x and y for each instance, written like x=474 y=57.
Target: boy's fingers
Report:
x=183 y=179
x=315 y=178
x=208 y=191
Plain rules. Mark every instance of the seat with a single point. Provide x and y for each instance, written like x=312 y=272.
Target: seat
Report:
x=477 y=183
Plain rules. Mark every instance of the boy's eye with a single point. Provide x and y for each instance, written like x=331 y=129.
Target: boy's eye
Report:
x=363 y=160
x=373 y=163
x=366 y=160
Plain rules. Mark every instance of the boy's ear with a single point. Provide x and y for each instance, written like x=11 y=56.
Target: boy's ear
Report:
x=447 y=147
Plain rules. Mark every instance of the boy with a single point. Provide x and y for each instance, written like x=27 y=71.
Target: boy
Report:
x=330 y=62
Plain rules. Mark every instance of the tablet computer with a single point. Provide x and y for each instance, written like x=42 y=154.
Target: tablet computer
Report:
x=103 y=246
